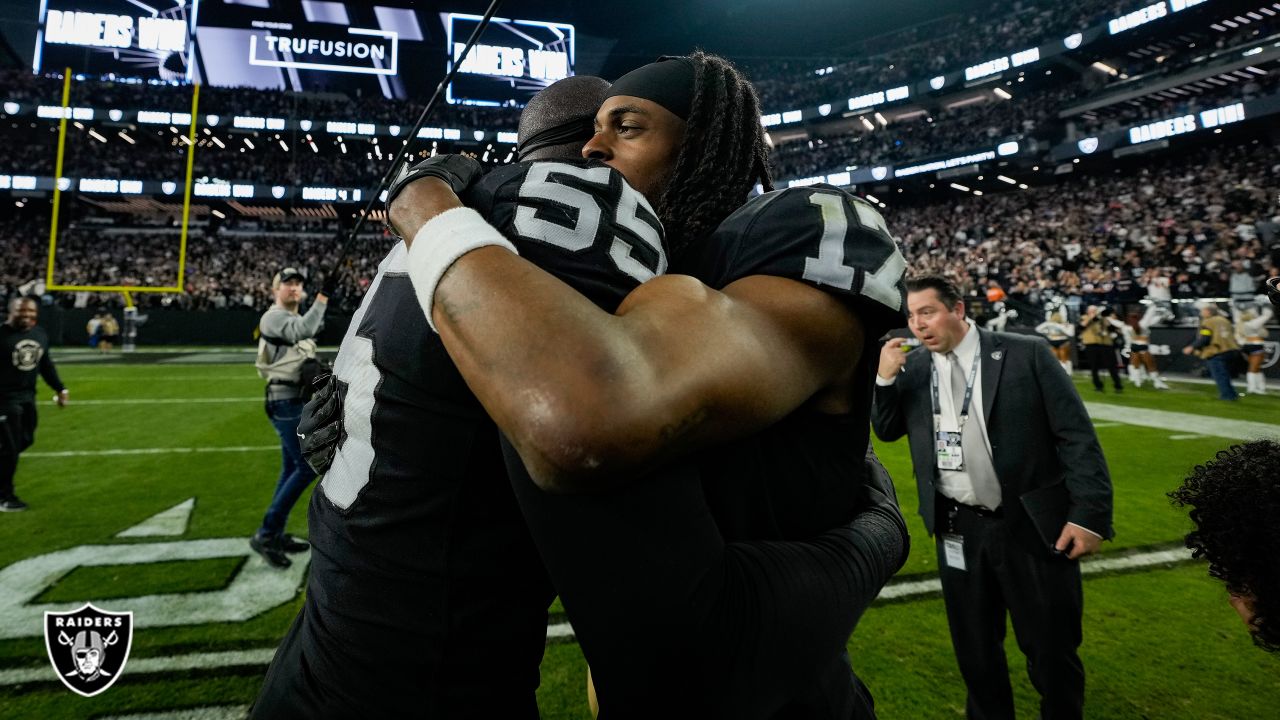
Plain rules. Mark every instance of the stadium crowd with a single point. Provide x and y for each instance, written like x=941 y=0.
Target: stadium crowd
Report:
x=949 y=43
x=1095 y=238
x=1195 y=218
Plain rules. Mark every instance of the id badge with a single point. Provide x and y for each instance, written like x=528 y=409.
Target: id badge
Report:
x=953 y=551
x=950 y=452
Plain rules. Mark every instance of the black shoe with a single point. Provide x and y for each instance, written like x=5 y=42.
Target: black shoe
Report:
x=293 y=544
x=270 y=551
x=12 y=504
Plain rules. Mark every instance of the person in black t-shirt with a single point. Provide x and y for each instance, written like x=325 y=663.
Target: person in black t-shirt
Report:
x=24 y=353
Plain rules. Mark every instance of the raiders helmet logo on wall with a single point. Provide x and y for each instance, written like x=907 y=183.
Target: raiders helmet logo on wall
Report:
x=88 y=647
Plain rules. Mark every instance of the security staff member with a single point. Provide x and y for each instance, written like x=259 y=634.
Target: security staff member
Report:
x=24 y=352
x=286 y=349
x=1013 y=486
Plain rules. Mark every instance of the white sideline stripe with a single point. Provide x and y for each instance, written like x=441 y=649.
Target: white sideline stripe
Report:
x=262 y=656
x=162 y=401
x=208 y=712
x=1107 y=424
x=149 y=451
x=1165 y=420
x=194 y=661
x=1186 y=437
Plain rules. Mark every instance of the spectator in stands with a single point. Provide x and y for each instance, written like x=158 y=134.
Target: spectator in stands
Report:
x=1235 y=500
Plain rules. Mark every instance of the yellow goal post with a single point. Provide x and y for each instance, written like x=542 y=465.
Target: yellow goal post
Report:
x=57 y=201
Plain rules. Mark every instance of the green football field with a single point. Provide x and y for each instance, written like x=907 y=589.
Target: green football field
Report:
x=144 y=491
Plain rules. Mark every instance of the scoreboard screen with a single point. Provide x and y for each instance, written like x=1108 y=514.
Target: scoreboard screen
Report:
x=511 y=61
x=359 y=48
x=147 y=39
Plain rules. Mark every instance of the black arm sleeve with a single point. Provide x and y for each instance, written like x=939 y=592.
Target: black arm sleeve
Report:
x=50 y=373
x=666 y=612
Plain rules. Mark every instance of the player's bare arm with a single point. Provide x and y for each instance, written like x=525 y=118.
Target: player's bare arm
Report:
x=680 y=365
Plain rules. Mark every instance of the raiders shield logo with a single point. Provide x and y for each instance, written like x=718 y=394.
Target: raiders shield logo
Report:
x=88 y=647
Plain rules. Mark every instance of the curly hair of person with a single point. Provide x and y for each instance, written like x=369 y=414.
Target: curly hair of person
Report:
x=722 y=157
x=1235 y=505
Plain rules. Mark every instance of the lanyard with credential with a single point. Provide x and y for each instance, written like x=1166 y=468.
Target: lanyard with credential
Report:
x=968 y=395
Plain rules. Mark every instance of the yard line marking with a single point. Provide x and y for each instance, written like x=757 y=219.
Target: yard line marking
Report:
x=162 y=401
x=1166 y=420
x=1187 y=437
x=563 y=630
x=1107 y=424
x=149 y=451
x=207 y=712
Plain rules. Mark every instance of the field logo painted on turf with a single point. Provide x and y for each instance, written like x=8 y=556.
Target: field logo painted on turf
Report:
x=88 y=647
x=254 y=589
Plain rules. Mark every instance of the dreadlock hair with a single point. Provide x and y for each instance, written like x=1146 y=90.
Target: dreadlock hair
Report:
x=721 y=158
x=1235 y=500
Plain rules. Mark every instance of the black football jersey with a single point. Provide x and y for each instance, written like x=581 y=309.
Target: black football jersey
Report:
x=426 y=595
x=801 y=476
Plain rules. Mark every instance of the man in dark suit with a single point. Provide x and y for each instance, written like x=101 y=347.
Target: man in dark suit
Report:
x=1013 y=486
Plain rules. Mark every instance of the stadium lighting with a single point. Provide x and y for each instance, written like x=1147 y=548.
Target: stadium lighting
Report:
x=1022 y=186
x=1103 y=67
x=94 y=134
x=220 y=214
x=249 y=142
x=218 y=142
x=880 y=119
x=314 y=149
x=867 y=123
x=286 y=147
x=126 y=138
x=959 y=187
x=978 y=193
x=873 y=199
x=1002 y=93
x=1009 y=180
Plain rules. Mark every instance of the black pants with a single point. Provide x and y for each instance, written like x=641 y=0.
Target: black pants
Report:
x=1043 y=596
x=17 y=432
x=1103 y=357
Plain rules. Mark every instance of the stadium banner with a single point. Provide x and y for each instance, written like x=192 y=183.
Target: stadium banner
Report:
x=357 y=48
x=1214 y=118
x=510 y=63
x=118 y=39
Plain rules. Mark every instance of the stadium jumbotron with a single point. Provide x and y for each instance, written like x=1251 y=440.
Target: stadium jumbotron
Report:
x=206 y=215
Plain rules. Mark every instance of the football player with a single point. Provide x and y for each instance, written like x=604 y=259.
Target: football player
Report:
x=414 y=530
x=761 y=347
x=1059 y=330
x=1251 y=332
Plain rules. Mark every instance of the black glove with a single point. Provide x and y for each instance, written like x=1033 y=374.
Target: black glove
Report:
x=460 y=171
x=330 y=287
x=878 y=495
x=320 y=431
x=1273 y=291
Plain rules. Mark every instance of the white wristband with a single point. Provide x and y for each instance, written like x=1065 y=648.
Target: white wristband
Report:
x=441 y=241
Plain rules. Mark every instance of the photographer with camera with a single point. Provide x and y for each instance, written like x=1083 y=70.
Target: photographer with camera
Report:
x=1097 y=334
x=287 y=360
x=1216 y=345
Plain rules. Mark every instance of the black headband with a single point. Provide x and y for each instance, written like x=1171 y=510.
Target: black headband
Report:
x=667 y=81
x=576 y=130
